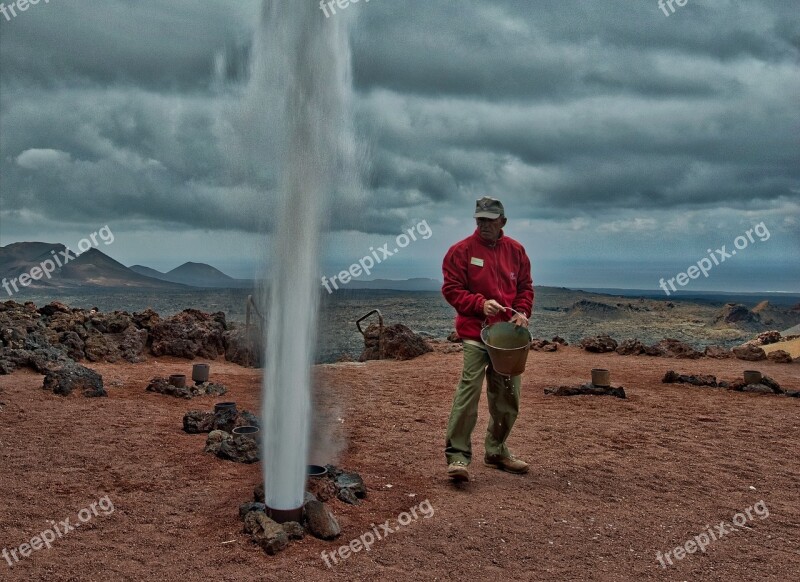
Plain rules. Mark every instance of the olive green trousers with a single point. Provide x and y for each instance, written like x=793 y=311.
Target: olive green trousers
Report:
x=502 y=393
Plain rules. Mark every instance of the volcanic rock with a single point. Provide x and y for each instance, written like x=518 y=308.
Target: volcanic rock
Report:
x=132 y=344
x=225 y=419
x=162 y=386
x=61 y=321
x=766 y=338
x=673 y=377
x=759 y=388
x=320 y=520
x=7 y=367
x=258 y=493
x=98 y=348
x=265 y=532
x=780 y=357
x=246 y=418
x=347 y=496
x=672 y=348
x=12 y=338
x=294 y=530
x=42 y=360
x=72 y=345
x=214 y=443
x=592 y=308
x=737 y=314
x=108 y=323
x=631 y=347
x=559 y=340
x=353 y=482
x=323 y=488
x=442 y=346
x=542 y=345
x=718 y=352
x=54 y=307
x=239 y=449
x=63 y=381
x=146 y=320
x=242 y=347
x=249 y=506
x=88 y=334
x=766 y=386
x=397 y=342
x=750 y=353
x=453 y=337
x=600 y=344
x=768 y=381
x=197 y=422
x=189 y=334
x=209 y=389
x=587 y=389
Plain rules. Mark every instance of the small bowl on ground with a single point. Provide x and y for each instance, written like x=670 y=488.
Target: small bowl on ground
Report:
x=246 y=431
x=316 y=471
x=601 y=377
x=178 y=380
x=752 y=377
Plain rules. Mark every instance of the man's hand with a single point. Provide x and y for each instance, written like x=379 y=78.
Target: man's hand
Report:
x=492 y=307
x=519 y=320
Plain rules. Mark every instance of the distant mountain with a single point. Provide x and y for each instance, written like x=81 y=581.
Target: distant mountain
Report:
x=96 y=269
x=194 y=274
x=92 y=268
x=747 y=297
x=417 y=284
x=148 y=272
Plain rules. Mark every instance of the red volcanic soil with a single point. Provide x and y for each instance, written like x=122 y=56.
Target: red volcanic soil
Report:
x=612 y=481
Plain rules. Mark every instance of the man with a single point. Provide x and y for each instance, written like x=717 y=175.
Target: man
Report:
x=484 y=275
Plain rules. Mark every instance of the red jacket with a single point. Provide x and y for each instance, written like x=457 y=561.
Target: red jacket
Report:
x=475 y=270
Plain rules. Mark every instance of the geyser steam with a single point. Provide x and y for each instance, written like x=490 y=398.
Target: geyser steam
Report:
x=301 y=70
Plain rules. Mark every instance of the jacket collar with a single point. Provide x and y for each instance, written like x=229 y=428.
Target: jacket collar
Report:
x=477 y=236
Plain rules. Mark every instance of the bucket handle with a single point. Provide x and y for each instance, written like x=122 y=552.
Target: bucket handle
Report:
x=380 y=321
x=486 y=321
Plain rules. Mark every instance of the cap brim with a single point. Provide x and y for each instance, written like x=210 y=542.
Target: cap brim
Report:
x=491 y=215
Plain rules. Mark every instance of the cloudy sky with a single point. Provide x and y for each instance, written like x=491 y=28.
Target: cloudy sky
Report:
x=624 y=143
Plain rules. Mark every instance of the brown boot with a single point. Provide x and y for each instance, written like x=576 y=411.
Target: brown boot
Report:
x=509 y=463
x=457 y=471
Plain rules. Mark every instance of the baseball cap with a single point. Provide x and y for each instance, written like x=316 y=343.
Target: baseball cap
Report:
x=488 y=207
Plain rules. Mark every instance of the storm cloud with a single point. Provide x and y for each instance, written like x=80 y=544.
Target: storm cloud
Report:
x=596 y=114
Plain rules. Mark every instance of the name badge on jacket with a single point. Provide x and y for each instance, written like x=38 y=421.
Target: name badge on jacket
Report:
x=476 y=261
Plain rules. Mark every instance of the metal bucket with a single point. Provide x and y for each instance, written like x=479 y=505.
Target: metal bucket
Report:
x=316 y=471
x=508 y=346
x=284 y=515
x=200 y=373
x=601 y=377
